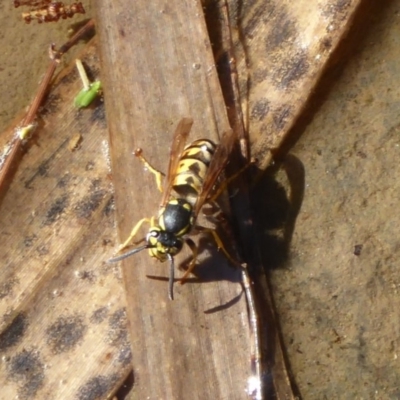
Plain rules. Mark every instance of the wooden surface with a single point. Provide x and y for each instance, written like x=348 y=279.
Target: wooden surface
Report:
x=282 y=49
x=63 y=326
x=197 y=345
x=157 y=69
x=63 y=330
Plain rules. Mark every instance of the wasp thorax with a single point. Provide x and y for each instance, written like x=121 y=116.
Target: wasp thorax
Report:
x=176 y=217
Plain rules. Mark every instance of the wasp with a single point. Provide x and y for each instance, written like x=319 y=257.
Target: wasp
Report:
x=190 y=182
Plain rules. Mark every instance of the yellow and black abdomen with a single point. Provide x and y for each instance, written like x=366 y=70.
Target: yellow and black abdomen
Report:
x=192 y=169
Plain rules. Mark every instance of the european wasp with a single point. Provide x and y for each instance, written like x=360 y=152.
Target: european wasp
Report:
x=192 y=175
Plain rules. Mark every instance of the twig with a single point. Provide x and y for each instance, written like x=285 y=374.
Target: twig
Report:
x=13 y=152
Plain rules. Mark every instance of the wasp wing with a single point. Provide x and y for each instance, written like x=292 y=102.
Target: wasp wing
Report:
x=218 y=163
x=177 y=147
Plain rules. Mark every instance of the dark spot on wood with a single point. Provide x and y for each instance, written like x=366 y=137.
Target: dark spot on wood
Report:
x=337 y=10
x=97 y=387
x=288 y=61
x=117 y=332
x=95 y=184
x=264 y=129
x=63 y=181
x=121 y=32
x=118 y=336
x=90 y=72
x=281 y=115
x=87 y=275
x=251 y=8
x=283 y=32
x=342 y=5
x=125 y=354
x=29 y=240
x=94 y=67
x=85 y=207
x=280 y=40
x=260 y=109
x=6 y=287
x=106 y=242
x=43 y=168
x=109 y=207
x=99 y=315
x=326 y=43
x=259 y=75
x=51 y=105
x=99 y=113
x=65 y=334
x=56 y=209
x=292 y=70
x=66 y=80
x=14 y=332
x=27 y=370
x=357 y=249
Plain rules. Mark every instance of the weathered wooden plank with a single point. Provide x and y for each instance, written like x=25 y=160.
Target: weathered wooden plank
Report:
x=63 y=329
x=147 y=54
x=282 y=49
x=287 y=48
x=158 y=68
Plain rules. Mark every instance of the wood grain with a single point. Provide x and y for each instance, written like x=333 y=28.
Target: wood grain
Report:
x=282 y=49
x=63 y=326
x=196 y=346
x=63 y=333
x=158 y=69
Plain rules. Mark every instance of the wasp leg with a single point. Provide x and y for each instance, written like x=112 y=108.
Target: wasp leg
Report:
x=133 y=233
x=219 y=242
x=195 y=252
x=158 y=174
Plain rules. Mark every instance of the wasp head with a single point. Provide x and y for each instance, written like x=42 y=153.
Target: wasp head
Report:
x=162 y=243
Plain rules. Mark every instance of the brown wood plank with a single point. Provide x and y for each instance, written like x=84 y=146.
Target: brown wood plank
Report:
x=275 y=35
x=63 y=326
x=153 y=77
x=158 y=68
x=282 y=49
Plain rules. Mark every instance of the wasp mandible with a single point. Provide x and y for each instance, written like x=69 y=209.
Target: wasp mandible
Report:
x=192 y=175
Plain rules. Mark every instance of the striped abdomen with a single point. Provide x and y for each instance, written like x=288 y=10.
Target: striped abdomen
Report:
x=192 y=169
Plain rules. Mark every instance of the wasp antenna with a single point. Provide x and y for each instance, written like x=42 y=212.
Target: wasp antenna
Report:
x=128 y=254
x=171 y=277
